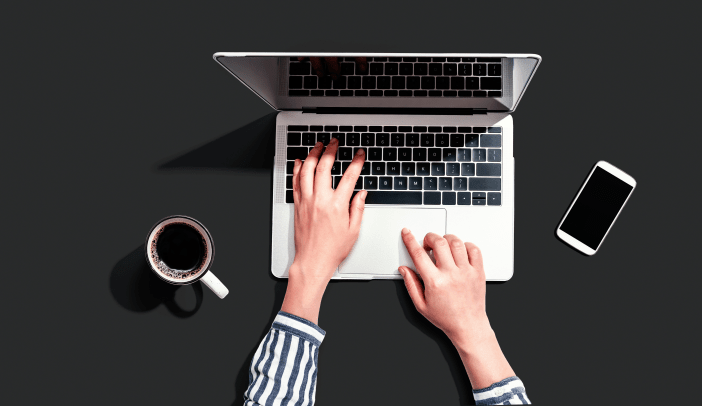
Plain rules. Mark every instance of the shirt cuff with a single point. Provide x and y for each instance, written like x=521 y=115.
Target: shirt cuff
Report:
x=505 y=390
x=299 y=327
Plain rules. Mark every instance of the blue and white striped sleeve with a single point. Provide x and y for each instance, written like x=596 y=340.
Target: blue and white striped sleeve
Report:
x=284 y=368
x=509 y=391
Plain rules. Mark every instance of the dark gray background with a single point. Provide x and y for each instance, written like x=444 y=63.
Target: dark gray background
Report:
x=115 y=115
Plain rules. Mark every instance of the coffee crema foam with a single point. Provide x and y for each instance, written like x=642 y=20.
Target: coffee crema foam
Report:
x=175 y=273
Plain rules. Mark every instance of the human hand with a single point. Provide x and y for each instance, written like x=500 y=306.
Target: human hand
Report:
x=326 y=228
x=452 y=295
x=322 y=66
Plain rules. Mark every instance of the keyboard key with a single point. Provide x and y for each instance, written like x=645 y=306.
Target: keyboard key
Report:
x=310 y=82
x=453 y=169
x=378 y=168
x=468 y=59
x=494 y=199
x=308 y=139
x=397 y=140
x=336 y=168
x=430 y=183
x=494 y=155
x=428 y=82
x=489 y=60
x=300 y=68
x=479 y=129
x=445 y=184
x=420 y=93
x=298 y=128
x=435 y=93
x=405 y=93
x=413 y=82
x=439 y=59
x=432 y=198
x=489 y=169
x=467 y=169
x=427 y=139
x=415 y=183
x=385 y=183
x=367 y=139
x=316 y=128
x=354 y=82
x=490 y=83
x=297 y=153
x=457 y=140
x=464 y=129
x=479 y=69
x=423 y=168
x=420 y=69
x=478 y=199
x=438 y=169
x=449 y=129
x=434 y=154
x=435 y=69
x=347 y=69
x=460 y=183
x=345 y=128
x=450 y=69
x=353 y=139
x=419 y=129
x=453 y=59
x=289 y=166
x=345 y=166
x=383 y=82
x=449 y=154
x=325 y=82
x=366 y=170
x=376 y=92
x=339 y=136
x=390 y=128
x=345 y=154
x=494 y=69
x=288 y=182
x=404 y=154
x=376 y=69
x=448 y=198
x=412 y=140
x=391 y=69
x=409 y=59
x=360 y=93
x=457 y=83
x=406 y=69
x=382 y=140
x=400 y=183
x=369 y=82
x=479 y=93
x=392 y=197
x=465 y=69
x=465 y=93
x=472 y=83
x=478 y=155
x=359 y=183
x=407 y=169
x=370 y=182
x=294 y=138
x=335 y=181
x=289 y=196
x=442 y=140
x=295 y=82
x=398 y=82
x=490 y=140
x=484 y=183
x=464 y=155
x=463 y=198
x=494 y=129
x=390 y=154
x=494 y=93
x=375 y=154
x=443 y=82
x=323 y=138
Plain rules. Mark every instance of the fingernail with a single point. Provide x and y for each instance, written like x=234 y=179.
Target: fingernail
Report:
x=401 y=271
x=360 y=152
x=297 y=162
x=318 y=144
x=363 y=196
x=405 y=230
x=334 y=141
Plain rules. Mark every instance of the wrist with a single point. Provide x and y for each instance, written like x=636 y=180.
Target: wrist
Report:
x=303 y=297
x=476 y=335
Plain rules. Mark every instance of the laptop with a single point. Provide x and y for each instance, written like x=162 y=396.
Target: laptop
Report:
x=438 y=136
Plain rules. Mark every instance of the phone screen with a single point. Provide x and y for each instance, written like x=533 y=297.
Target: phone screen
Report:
x=596 y=208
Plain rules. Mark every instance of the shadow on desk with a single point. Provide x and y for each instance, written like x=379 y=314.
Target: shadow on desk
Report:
x=135 y=287
x=249 y=148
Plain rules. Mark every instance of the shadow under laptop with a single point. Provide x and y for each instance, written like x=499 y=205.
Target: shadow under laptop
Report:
x=135 y=287
x=458 y=372
x=249 y=148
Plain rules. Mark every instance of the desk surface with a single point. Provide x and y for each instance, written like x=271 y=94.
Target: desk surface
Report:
x=117 y=116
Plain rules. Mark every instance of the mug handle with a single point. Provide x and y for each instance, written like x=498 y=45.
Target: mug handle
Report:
x=211 y=281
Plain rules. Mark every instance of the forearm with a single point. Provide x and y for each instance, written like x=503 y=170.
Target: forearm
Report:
x=284 y=366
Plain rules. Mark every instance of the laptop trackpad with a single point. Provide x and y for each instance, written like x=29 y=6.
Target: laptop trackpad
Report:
x=379 y=249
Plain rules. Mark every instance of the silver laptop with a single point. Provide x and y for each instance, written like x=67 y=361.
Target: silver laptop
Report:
x=439 y=147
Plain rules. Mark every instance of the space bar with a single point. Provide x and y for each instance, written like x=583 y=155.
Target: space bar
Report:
x=377 y=197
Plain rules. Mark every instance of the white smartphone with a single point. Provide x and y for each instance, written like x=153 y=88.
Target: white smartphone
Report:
x=595 y=208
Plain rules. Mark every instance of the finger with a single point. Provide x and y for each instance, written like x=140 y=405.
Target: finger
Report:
x=362 y=64
x=317 y=66
x=442 y=252
x=296 y=181
x=322 y=177
x=348 y=181
x=419 y=256
x=414 y=288
x=458 y=250
x=356 y=211
x=333 y=67
x=307 y=171
x=476 y=258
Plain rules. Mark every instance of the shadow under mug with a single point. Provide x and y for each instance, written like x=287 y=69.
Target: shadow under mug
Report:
x=178 y=277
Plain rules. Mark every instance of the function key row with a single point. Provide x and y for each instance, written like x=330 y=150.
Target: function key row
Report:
x=412 y=59
x=396 y=93
x=394 y=128
x=416 y=169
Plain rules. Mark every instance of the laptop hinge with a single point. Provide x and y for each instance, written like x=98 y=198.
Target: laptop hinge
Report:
x=391 y=110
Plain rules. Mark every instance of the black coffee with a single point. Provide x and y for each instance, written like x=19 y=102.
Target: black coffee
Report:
x=180 y=247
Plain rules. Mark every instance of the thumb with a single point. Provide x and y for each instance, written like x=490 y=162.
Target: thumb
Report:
x=414 y=288
x=357 y=205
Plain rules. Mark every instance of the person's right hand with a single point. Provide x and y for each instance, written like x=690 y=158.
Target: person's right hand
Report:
x=452 y=295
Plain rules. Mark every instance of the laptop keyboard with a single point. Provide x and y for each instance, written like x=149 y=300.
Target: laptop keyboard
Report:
x=411 y=165
x=401 y=77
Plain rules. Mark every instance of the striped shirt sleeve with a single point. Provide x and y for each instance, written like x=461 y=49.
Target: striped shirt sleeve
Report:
x=509 y=391
x=284 y=368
